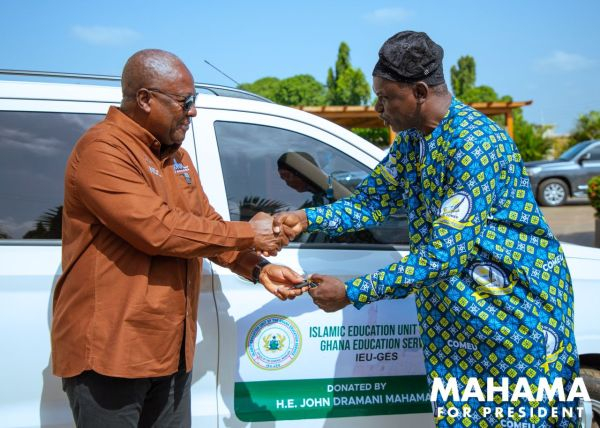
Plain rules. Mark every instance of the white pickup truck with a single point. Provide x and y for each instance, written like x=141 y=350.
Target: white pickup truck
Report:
x=259 y=362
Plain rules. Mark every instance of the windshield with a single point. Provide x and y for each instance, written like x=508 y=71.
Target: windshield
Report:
x=573 y=151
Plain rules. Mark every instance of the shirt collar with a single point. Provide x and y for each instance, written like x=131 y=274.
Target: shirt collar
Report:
x=120 y=119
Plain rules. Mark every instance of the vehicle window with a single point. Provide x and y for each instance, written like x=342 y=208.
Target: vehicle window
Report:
x=272 y=170
x=573 y=151
x=595 y=154
x=35 y=147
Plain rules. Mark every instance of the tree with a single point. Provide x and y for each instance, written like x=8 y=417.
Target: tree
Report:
x=48 y=225
x=251 y=205
x=341 y=64
x=267 y=87
x=300 y=90
x=4 y=235
x=378 y=136
x=587 y=127
x=481 y=93
x=528 y=136
x=462 y=76
x=352 y=88
x=346 y=85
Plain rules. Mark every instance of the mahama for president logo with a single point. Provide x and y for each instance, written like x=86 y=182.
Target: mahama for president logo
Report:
x=273 y=342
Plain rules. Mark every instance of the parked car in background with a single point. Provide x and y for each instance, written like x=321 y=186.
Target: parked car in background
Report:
x=260 y=362
x=555 y=180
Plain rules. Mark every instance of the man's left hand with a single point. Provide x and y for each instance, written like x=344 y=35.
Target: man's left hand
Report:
x=279 y=280
x=330 y=294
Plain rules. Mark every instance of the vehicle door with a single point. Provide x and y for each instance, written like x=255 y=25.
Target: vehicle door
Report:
x=283 y=362
x=589 y=162
x=36 y=138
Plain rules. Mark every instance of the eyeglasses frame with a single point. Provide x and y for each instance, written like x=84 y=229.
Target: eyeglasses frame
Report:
x=186 y=103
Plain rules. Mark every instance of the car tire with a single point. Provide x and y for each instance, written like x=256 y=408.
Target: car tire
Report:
x=552 y=192
x=591 y=378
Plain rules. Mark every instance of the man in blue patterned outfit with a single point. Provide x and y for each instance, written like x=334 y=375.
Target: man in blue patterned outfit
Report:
x=492 y=286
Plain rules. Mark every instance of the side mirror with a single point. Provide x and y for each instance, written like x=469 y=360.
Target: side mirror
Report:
x=584 y=158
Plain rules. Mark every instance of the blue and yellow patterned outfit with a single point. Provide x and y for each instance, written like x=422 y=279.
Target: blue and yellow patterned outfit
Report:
x=492 y=287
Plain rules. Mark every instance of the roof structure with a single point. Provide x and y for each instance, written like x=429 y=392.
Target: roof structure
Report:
x=366 y=116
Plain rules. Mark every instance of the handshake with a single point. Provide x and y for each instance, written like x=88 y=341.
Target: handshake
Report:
x=272 y=233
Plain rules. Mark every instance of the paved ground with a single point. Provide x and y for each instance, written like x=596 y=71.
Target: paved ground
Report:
x=573 y=222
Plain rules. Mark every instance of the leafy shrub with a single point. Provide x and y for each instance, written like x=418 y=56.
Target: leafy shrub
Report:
x=587 y=127
x=594 y=193
x=378 y=136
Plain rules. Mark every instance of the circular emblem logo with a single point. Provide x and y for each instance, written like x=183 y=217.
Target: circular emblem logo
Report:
x=551 y=341
x=491 y=280
x=554 y=347
x=457 y=207
x=488 y=276
x=273 y=342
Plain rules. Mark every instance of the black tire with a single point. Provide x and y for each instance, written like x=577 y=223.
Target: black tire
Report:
x=552 y=192
x=591 y=378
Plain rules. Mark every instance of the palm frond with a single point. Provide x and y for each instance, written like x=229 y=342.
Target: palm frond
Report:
x=251 y=205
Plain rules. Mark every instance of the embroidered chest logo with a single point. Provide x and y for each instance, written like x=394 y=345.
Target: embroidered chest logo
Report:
x=183 y=170
x=154 y=171
x=151 y=168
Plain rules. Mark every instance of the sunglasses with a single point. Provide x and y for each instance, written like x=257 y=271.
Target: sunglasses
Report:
x=186 y=102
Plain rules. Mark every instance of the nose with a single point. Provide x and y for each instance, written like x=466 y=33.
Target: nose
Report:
x=192 y=112
x=378 y=106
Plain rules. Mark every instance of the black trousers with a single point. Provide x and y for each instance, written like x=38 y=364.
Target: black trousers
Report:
x=99 y=401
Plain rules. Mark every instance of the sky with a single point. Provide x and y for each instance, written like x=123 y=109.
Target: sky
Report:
x=544 y=51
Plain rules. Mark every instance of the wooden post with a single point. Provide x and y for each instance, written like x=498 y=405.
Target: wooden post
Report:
x=510 y=125
x=392 y=136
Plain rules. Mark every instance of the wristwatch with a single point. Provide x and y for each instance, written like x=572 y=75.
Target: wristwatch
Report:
x=258 y=268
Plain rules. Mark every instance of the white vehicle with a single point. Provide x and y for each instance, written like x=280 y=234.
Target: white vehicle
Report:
x=259 y=362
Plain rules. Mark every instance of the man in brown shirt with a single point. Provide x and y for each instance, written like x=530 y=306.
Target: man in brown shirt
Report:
x=136 y=224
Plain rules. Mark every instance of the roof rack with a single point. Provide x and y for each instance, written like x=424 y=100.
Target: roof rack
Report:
x=218 y=90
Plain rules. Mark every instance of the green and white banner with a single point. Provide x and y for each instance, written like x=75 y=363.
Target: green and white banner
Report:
x=318 y=365
x=323 y=398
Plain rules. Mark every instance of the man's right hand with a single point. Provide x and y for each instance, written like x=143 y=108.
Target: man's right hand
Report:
x=266 y=242
x=280 y=281
x=292 y=223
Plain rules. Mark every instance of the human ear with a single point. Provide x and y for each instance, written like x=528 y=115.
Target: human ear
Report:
x=420 y=92
x=143 y=100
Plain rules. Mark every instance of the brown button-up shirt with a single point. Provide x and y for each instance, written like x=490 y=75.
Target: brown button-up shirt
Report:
x=135 y=227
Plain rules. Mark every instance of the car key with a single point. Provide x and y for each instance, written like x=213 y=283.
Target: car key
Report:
x=309 y=283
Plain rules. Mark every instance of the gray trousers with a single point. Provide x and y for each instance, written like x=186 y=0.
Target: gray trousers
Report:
x=99 y=401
